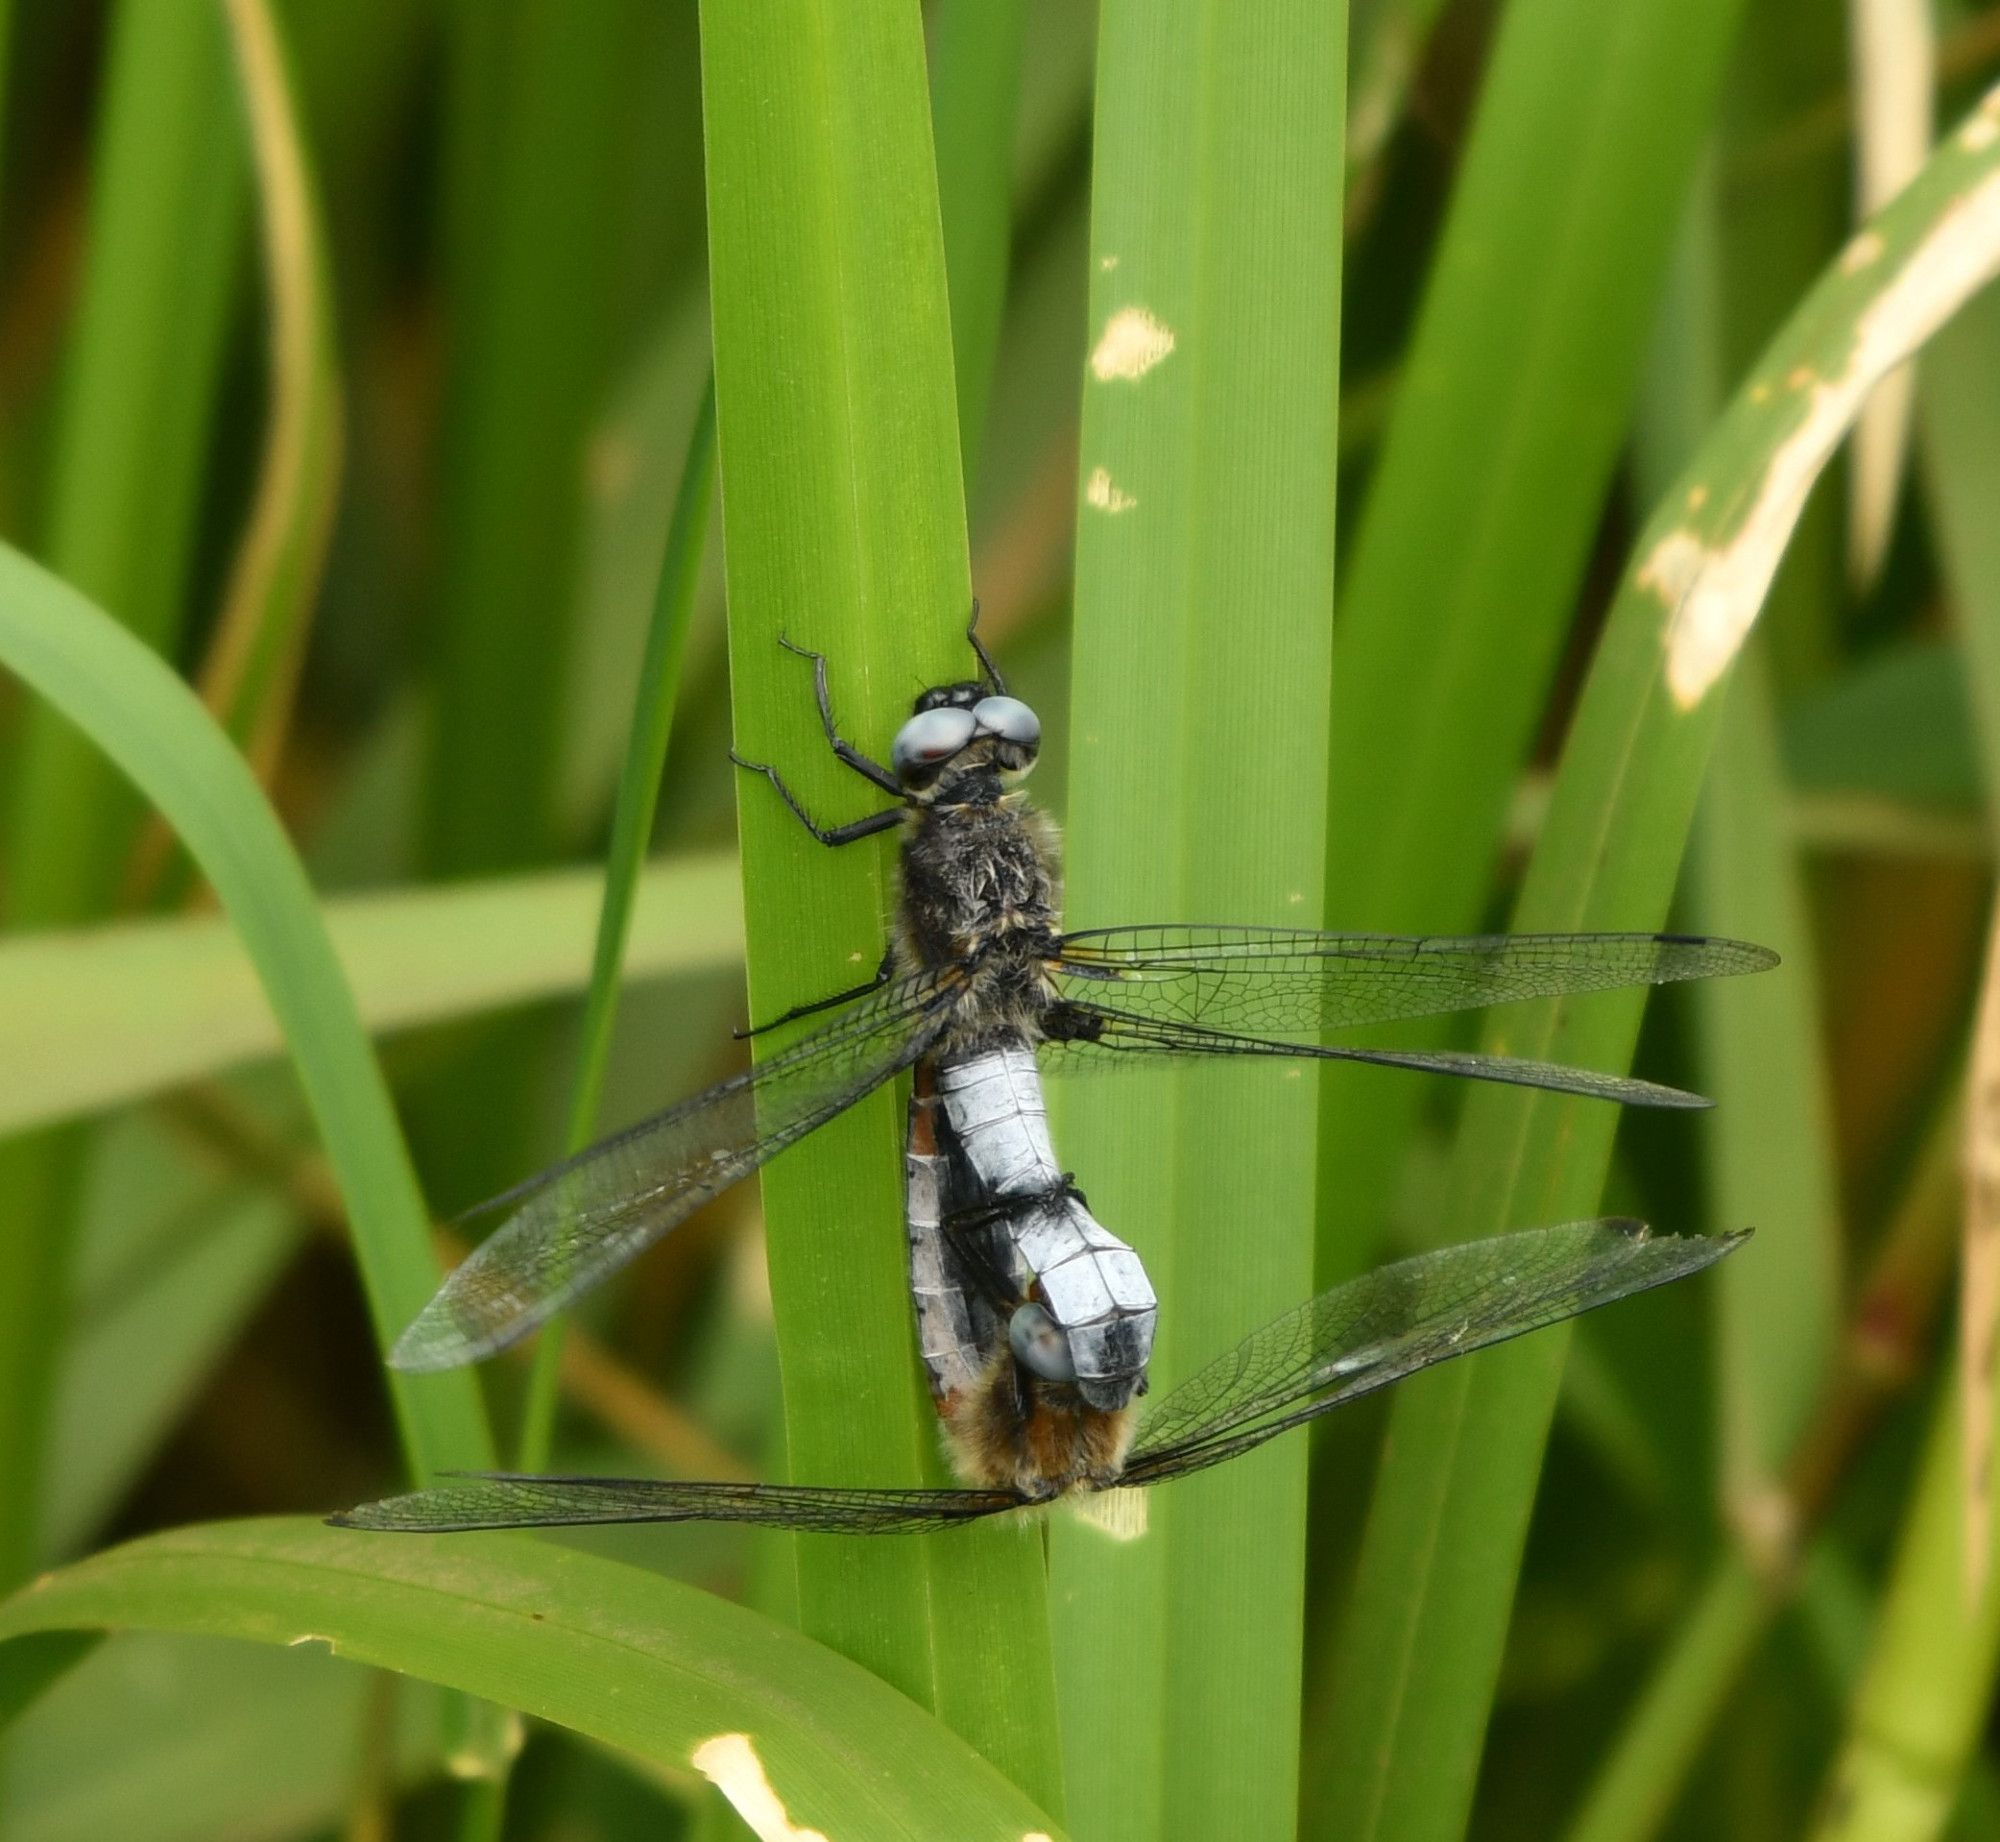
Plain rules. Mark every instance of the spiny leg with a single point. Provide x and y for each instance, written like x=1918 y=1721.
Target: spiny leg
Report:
x=984 y=657
x=860 y=763
x=826 y=834
x=881 y=978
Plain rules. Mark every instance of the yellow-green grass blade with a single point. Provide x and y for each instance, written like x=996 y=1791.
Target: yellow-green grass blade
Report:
x=975 y=92
x=1914 y=1722
x=1959 y=429
x=1771 y=1148
x=1199 y=699
x=1420 y=1651
x=652 y=725
x=120 y=694
x=682 y=1679
x=91 y=1019
x=1775 y=230
x=1774 y=1547
x=844 y=528
x=126 y=472
x=274 y=577
x=1771 y=1144
x=1477 y=525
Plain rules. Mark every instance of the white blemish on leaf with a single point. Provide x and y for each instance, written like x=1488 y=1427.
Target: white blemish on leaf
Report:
x=1107 y=497
x=1712 y=592
x=1860 y=252
x=1120 y=1514
x=312 y=1637
x=730 y=1763
x=1132 y=343
x=1107 y=263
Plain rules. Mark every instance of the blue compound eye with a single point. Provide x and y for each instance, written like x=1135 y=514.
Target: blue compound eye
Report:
x=928 y=740
x=1039 y=1346
x=1009 y=719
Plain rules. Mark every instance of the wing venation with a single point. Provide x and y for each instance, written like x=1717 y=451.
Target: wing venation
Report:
x=573 y=1225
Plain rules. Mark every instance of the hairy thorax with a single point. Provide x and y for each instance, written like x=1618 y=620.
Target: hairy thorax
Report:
x=980 y=888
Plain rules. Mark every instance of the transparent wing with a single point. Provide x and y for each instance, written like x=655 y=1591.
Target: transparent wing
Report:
x=1087 y=1033
x=1390 y=1323
x=577 y=1223
x=502 y=1501
x=1281 y=982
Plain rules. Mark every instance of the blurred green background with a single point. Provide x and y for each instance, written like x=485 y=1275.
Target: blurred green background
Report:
x=375 y=434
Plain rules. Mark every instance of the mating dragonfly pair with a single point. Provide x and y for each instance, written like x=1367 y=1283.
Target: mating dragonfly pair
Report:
x=1036 y=1322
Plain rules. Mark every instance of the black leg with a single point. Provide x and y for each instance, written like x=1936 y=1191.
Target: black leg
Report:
x=826 y=834
x=985 y=658
x=860 y=763
x=881 y=978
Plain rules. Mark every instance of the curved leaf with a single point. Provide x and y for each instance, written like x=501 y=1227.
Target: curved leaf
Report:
x=628 y=1657
x=128 y=701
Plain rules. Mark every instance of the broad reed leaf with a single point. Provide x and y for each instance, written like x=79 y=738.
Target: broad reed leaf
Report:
x=844 y=530
x=1199 y=699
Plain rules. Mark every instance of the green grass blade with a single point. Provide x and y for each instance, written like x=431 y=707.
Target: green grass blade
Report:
x=633 y=1659
x=1478 y=523
x=1772 y=1159
x=1959 y=407
x=166 y=225
x=89 y=1020
x=974 y=97
x=1667 y=1730
x=1420 y=1653
x=175 y=1739
x=538 y=115
x=126 y=475
x=631 y=830
x=844 y=528
x=1199 y=717
x=645 y=760
x=1771 y=1149
x=120 y=694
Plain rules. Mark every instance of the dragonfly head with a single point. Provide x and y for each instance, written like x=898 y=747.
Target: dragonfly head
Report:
x=958 y=732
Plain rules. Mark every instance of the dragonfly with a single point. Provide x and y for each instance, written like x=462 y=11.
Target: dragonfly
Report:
x=980 y=990
x=1025 y=1439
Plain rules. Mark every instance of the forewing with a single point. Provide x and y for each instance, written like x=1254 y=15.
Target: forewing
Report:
x=1091 y=1032
x=500 y=1501
x=1282 y=982
x=574 y=1225
x=1390 y=1323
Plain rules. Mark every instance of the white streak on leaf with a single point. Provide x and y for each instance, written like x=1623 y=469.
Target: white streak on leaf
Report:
x=1132 y=343
x=1712 y=592
x=1105 y=495
x=730 y=1763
